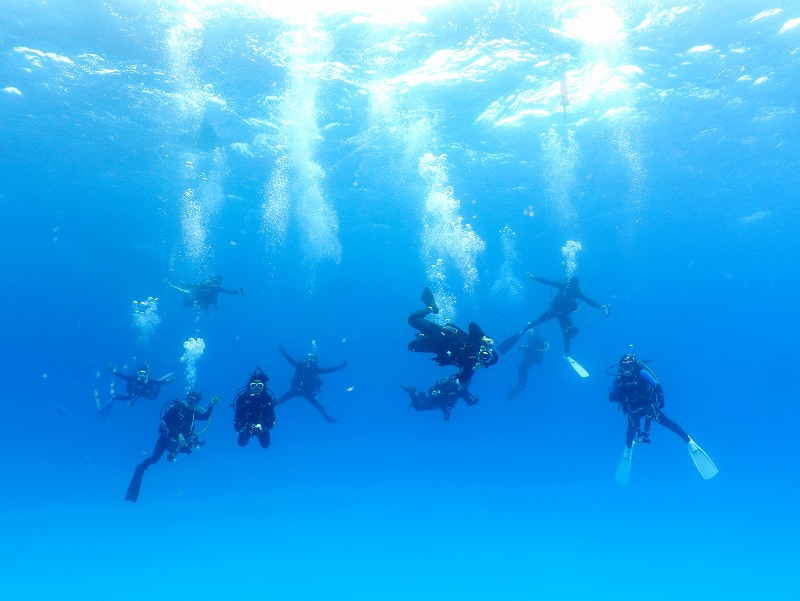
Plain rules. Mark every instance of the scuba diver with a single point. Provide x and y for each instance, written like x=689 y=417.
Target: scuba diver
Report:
x=175 y=434
x=444 y=395
x=561 y=306
x=533 y=350
x=204 y=294
x=640 y=395
x=254 y=410
x=469 y=351
x=306 y=381
x=138 y=385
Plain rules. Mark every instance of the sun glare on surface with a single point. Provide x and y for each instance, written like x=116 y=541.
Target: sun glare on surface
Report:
x=300 y=11
x=595 y=25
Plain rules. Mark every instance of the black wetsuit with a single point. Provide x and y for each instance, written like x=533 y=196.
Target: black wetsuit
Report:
x=137 y=389
x=533 y=351
x=443 y=395
x=176 y=435
x=451 y=344
x=254 y=413
x=561 y=306
x=204 y=294
x=640 y=396
x=307 y=383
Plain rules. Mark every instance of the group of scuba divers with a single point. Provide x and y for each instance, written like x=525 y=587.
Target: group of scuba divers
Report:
x=253 y=406
x=635 y=387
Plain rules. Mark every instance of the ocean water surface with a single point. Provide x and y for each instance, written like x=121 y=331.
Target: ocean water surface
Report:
x=333 y=159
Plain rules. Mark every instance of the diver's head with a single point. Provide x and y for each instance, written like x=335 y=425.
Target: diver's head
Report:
x=217 y=279
x=573 y=282
x=487 y=356
x=143 y=373
x=193 y=397
x=628 y=367
x=311 y=359
x=258 y=376
x=256 y=384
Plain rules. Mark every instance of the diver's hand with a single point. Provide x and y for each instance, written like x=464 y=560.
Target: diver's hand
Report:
x=343 y=364
x=112 y=369
x=281 y=348
x=606 y=310
x=214 y=400
x=530 y=275
x=241 y=291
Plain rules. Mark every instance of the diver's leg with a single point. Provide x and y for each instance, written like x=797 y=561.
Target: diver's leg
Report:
x=671 y=425
x=135 y=485
x=546 y=316
x=289 y=394
x=264 y=439
x=634 y=419
x=423 y=344
x=417 y=321
x=428 y=299
x=524 y=368
x=312 y=398
x=522 y=377
x=447 y=408
x=567 y=329
x=411 y=391
x=162 y=444
x=244 y=436
x=422 y=402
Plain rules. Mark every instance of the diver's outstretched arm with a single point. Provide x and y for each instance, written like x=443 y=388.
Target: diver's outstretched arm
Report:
x=282 y=349
x=590 y=302
x=545 y=281
x=184 y=290
x=327 y=370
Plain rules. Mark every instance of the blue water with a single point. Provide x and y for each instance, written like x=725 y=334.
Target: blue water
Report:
x=334 y=161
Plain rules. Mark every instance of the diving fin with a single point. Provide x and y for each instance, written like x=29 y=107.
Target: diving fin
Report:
x=135 y=485
x=430 y=302
x=702 y=461
x=624 y=465
x=509 y=343
x=515 y=391
x=105 y=410
x=475 y=332
x=577 y=367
